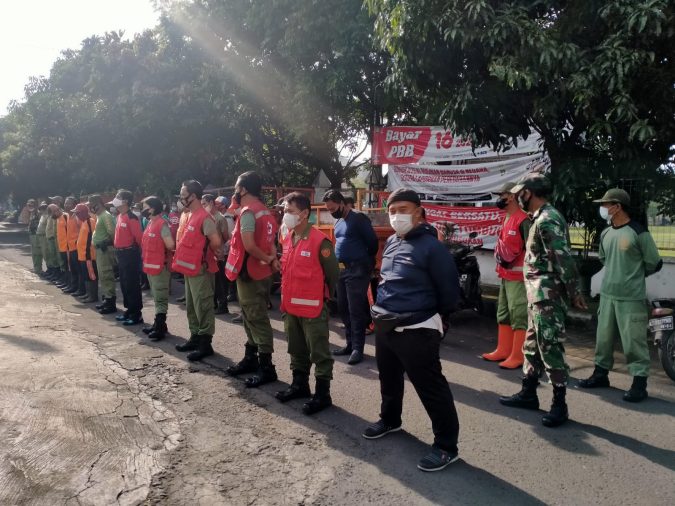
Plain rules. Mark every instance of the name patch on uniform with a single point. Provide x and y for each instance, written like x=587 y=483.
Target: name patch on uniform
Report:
x=512 y=232
x=123 y=225
x=305 y=254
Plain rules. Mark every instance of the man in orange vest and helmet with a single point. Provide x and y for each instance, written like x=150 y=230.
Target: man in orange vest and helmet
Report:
x=196 y=259
x=512 y=305
x=310 y=273
x=251 y=261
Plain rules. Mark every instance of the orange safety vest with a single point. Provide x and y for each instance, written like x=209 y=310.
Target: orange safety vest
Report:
x=265 y=232
x=72 y=232
x=303 y=284
x=193 y=250
x=511 y=247
x=85 y=238
x=62 y=232
x=154 y=252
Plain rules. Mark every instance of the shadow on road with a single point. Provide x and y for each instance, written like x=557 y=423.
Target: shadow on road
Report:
x=28 y=344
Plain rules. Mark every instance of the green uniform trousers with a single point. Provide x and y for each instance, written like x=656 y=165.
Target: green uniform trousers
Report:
x=627 y=320
x=159 y=287
x=253 y=296
x=106 y=273
x=308 y=344
x=50 y=253
x=36 y=253
x=512 y=304
x=199 y=300
x=543 y=348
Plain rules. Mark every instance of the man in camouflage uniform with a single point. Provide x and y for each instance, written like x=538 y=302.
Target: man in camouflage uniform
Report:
x=551 y=285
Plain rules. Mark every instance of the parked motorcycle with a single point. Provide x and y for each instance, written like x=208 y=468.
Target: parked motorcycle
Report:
x=661 y=331
x=470 y=293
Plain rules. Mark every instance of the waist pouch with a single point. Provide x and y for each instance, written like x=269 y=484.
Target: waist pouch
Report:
x=386 y=321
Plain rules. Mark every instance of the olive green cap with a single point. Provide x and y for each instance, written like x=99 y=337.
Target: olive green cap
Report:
x=615 y=196
x=532 y=181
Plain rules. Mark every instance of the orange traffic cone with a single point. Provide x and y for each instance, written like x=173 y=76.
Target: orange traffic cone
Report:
x=516 y=358
x=504 y=344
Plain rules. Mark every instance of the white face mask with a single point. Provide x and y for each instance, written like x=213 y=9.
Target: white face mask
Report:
x=291 y=220
x=604 y=214
x=138 y=214
x=401 y=223
x=117 y=202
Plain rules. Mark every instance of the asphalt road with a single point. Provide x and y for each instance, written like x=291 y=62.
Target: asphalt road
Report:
x=92 y=413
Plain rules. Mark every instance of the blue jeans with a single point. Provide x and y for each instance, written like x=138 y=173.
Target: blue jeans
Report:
x=352 y=291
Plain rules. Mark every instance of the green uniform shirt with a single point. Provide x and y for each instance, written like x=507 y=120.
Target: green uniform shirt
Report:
x=105 y=229
x=42 y=224
x=550 y=269
x=327 y=259
x=50 y=231
x=629 y=255
x=247 y=222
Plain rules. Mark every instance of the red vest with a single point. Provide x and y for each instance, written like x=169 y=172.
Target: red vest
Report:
x=127 y=232
x=192 y=250
x=303 y=284
x=511 y=247
x=265 y=232
x=153 y=251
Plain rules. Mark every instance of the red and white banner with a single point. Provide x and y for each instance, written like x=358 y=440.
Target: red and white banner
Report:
x=476 y=178
x=485 y=221
x=424 y=144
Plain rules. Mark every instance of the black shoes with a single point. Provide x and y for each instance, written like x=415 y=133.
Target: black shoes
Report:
x=298 y=389
x=347 y=350
x=267 y=373
x=558 y=413
x=599 y=379
x=437 y=460
x=638 y=390
x=108 y=306
x=526 y=398
x=379 y=429
x=248 y=364
x=190 y=345
x=355 y=358
x=321 y=399
x=159 y=328
x=221 y=308
x=203 y=350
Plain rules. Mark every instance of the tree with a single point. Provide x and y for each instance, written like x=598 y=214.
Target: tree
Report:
x=595 y=78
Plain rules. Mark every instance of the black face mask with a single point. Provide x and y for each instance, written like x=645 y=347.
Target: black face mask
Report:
x=186 y=201
x=338 y=214
x=146 y=213
x=237 y=197
x=502 y=203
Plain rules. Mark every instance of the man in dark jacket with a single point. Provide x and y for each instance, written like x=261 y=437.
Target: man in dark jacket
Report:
x=419 y=287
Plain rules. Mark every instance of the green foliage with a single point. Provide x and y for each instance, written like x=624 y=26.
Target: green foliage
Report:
x=595 y=78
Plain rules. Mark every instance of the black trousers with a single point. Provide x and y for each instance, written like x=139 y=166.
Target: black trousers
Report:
x=84 y=274
x=74 y=269
x=415 y=352
x=129 y=262
x=222 y=288
x=352 y=292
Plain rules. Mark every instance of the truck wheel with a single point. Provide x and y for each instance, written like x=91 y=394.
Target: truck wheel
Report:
x=667 y=355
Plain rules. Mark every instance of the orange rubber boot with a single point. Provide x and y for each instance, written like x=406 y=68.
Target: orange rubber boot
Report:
x=516 y=358
x=504 y=344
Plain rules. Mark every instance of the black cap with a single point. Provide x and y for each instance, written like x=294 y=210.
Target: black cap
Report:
x=404 y=194
x=533 y=181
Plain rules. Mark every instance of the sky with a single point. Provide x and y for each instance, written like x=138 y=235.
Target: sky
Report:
x=34 y=32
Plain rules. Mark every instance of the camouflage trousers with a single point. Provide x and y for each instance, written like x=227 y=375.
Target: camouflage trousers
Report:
x=543 y=348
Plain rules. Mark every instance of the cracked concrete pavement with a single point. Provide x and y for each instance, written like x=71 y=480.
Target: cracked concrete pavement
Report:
x=92 y=413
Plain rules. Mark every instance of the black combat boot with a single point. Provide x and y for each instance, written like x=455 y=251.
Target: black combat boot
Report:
x=267 y=373
x=558 y=414
x=221 y=307
x=526 y=398
x=204 y=349
x=321 y=399
x=190 y=345
x=248 y=364
x=159 y=329
x=109 y=306
x=599 y=379
x=298 y=389
x=147 y=330
x=638 y=390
